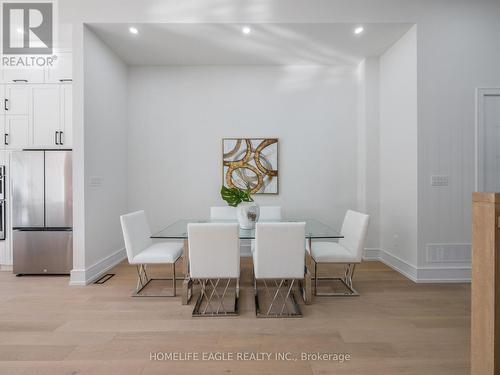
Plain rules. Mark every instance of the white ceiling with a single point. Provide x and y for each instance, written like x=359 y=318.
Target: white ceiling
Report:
x=267 y=44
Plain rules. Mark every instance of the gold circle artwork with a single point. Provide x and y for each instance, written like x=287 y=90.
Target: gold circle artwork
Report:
x=251 y=162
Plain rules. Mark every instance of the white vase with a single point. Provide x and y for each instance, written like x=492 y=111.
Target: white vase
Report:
x=247 y=214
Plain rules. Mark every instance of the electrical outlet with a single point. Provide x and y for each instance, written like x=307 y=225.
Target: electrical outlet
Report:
x=95 y=181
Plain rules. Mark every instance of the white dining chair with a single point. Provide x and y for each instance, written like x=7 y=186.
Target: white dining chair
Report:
x=223 y=213
x=278 y=262
x=348 y=251
x=141 y=251
x=214 y=255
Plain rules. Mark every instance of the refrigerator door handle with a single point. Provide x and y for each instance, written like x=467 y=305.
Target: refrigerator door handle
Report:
x=2 y=182
x=2 y=220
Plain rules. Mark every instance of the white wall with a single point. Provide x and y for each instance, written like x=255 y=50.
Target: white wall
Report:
x=179 y=115
x=456 y=54
x=455 y=58
x=105 y=156
x=398 y=149
x=369 y=149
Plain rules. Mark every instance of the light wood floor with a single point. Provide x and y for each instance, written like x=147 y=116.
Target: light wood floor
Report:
x=394 y=327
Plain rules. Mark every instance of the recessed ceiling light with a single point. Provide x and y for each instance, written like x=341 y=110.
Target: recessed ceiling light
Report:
x=358 y=30
x=246 y=30
x=20 y=30
x=133 y=30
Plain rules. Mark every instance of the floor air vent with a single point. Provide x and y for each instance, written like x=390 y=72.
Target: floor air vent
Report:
x=104 y=278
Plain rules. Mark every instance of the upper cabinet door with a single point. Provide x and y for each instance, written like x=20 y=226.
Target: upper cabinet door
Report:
x=63 y=69
x=17 y=99
x=66 y=137
x=46 y=115
x=23 y=75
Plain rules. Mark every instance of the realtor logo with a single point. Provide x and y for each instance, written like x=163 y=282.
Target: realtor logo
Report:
x=27 y=28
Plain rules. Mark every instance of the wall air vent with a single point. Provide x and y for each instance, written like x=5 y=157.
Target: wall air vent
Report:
x=448 y=253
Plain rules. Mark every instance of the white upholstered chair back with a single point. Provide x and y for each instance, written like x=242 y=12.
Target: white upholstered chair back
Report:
x=270 y=213
x=136 y=233
x=214 y=250
x=354 y=229
x=279 y=250
x=223 y=213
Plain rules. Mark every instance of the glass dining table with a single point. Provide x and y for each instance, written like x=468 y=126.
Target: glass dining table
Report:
x=315 y=230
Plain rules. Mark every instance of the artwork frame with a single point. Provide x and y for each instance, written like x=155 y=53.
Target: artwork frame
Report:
x=267 y=183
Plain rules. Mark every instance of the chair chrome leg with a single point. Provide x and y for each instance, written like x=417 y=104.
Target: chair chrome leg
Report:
x=237 y=297
x=174 y=286
x=143 y=281
x=209 y=294
x=346 y=281
x=278 y=307
x=315 y=278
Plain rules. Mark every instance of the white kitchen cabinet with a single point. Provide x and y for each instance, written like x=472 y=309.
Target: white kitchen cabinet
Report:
x=62 y=71
x=46 y=115
x=17 y=99
x=66 y=135
x=36 y=116
x=2 y=100
x=16 y=132
x=23 y=75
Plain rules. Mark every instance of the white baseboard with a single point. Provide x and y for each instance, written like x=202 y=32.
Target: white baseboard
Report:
x=445 y=275
x=371 y=254
x=399 y=265
x=84 y=277
x=442 y=274
x=6 y=267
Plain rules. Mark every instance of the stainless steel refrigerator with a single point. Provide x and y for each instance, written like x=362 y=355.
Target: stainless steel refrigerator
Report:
x=42 y=211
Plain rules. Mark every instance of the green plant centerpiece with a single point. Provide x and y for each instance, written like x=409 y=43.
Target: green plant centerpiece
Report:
x=234 y=196
x=247 y=211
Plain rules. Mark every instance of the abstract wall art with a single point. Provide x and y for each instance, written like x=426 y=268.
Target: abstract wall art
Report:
x=251 y=162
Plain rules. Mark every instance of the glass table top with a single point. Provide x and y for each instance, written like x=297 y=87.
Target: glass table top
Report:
x=314 y=229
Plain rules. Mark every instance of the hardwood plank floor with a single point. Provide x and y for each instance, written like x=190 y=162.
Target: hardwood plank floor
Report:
x=394 y=327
